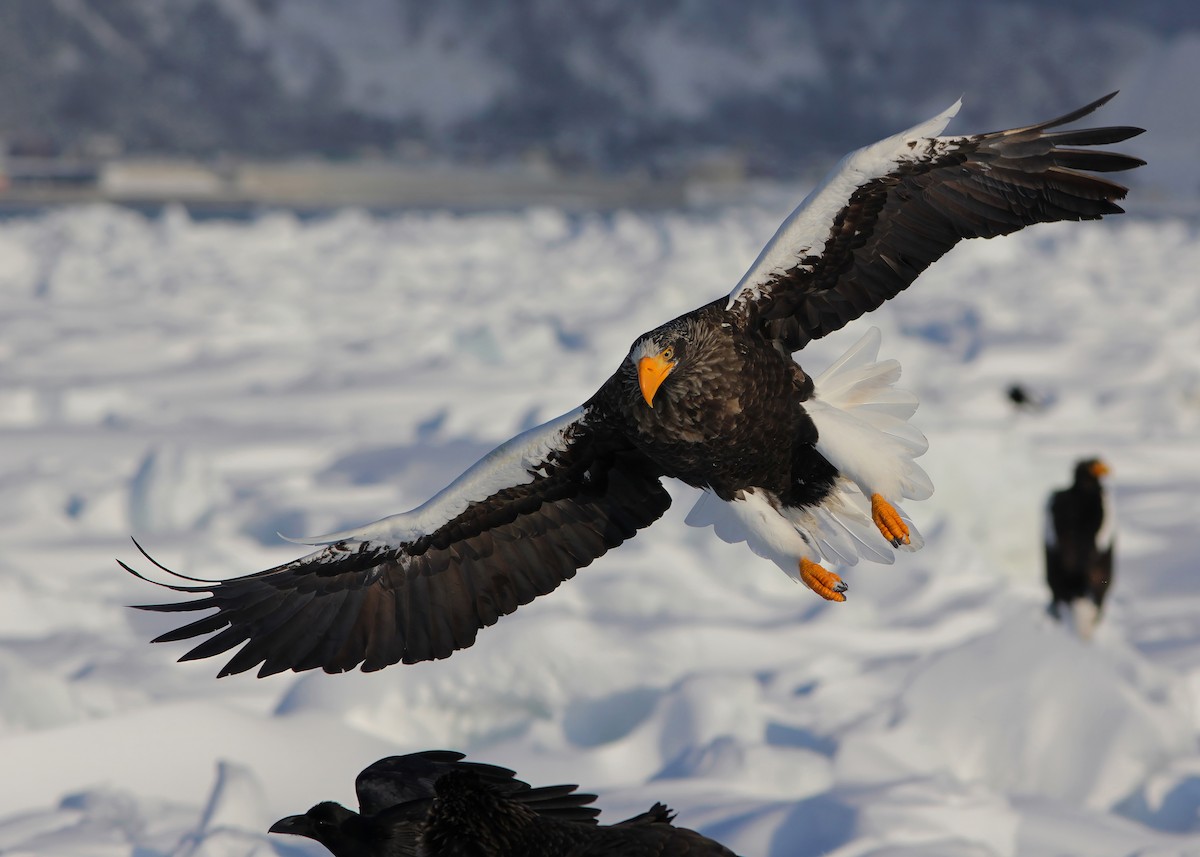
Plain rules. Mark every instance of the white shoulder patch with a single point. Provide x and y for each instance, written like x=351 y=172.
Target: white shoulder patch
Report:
x=805 y=230
x=514 y=462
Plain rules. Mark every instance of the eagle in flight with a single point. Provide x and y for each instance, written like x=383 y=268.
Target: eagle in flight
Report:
x=807 y=471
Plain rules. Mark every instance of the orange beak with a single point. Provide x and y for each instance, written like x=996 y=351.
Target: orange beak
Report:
x=1099 y=469
x=652 y=371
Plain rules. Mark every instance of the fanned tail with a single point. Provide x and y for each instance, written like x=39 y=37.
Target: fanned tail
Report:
x=862 y=424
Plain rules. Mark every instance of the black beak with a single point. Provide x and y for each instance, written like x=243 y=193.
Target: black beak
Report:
x=296 y=825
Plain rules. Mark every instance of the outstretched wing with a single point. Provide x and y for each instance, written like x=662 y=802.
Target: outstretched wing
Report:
x=890 y=210
x=396 y=781
x=420 y=585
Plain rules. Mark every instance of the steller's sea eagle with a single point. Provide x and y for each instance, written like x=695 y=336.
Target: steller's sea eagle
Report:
x=805 y=471
x=434 y=804
x=1080 y=537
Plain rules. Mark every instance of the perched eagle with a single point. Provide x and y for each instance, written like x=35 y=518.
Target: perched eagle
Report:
x=805 y=471
x=1080 y=536
x=434 y=804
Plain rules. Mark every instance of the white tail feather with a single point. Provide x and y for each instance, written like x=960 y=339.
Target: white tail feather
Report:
x=862 y=424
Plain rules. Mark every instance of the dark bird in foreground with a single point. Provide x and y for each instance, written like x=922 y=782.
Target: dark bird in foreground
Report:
x=433 y=804
x=805 y=470
x=1080 y=536
x=396 y=796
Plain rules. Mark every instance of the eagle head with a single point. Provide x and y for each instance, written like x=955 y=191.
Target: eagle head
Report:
x=1090 y=471
x=661 y=353
x=680 y=360
x=653 y=362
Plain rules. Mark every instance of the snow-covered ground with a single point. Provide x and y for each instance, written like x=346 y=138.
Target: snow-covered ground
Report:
x=207 y=385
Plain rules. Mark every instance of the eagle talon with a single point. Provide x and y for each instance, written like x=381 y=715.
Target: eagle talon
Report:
x=822 y=581
x=888 y=520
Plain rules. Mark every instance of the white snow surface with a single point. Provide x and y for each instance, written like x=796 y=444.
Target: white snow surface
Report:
x=514 y=462
x=207 y=385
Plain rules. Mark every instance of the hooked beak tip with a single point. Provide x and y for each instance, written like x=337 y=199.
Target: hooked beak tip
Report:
x=651 y=373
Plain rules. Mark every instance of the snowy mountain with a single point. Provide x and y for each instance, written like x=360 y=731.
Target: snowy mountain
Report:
x=600 y=85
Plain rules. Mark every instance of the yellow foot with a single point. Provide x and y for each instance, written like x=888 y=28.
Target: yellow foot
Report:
x=888 y=520
x=825 y=583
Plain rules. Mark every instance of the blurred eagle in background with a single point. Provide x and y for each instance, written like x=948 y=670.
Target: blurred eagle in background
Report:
x=1080 y=537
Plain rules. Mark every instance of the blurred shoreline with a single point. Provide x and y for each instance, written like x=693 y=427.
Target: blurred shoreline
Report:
x=312 y=187
x=315 y=185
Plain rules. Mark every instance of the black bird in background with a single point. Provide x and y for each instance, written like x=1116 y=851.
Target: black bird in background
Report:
x=807 y=470
x=1024 y=399
x=434 y=804
x=1080 y=535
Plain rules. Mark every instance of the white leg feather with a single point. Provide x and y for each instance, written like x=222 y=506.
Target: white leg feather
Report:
x=1085 y=615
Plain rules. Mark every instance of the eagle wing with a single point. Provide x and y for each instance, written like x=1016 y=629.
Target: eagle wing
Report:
x=890 y=210
x=419 y=586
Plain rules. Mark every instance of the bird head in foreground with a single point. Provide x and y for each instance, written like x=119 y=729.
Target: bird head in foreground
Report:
x=343 y=832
